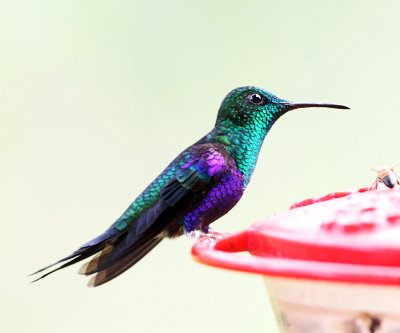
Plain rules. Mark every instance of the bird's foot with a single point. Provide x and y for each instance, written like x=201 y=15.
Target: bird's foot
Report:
x=196 y=234
x=216 y=234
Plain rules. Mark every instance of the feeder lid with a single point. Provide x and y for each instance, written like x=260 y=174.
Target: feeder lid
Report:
x=347 y=236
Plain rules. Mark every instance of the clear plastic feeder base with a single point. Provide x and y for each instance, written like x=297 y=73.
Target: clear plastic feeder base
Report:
x=309 y=306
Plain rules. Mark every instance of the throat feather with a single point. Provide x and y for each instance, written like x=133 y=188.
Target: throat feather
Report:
x=243 y=145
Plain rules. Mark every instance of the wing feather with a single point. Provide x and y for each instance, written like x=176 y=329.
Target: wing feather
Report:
x=121 y=247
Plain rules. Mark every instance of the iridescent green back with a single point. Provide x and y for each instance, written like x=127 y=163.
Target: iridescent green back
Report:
x=150 y=195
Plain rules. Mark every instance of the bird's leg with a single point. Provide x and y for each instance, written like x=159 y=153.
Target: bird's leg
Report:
x=196 y=234
x=215 y=234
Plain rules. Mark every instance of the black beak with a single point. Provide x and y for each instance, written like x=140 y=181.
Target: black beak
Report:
x=298 y=105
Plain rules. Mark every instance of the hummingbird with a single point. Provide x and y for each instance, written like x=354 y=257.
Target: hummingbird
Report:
x=199 y=186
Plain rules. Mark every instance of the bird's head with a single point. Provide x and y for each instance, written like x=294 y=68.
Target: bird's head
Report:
x=253 y=106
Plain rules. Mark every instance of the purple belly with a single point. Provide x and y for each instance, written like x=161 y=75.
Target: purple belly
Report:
x=216 y=202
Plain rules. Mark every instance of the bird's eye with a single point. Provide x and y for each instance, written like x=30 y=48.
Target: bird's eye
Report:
x=255 y=99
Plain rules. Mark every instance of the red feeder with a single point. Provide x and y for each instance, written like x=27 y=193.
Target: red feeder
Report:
x=330 y=264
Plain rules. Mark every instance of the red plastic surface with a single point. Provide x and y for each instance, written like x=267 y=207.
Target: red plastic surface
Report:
x=330 y=196
x=344 y=236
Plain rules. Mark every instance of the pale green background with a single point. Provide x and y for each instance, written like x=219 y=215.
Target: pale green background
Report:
x=96 y=97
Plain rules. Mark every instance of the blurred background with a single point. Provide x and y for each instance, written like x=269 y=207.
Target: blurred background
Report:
x=97 y=97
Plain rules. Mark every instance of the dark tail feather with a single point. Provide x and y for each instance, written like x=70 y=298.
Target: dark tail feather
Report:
x=127 y=250
x=119 y=250
x=85 y=251
x=122 y=264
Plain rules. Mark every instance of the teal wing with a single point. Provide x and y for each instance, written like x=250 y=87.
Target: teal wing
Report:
x=147 y=199
x=152 y=216
x=193 y=176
